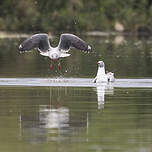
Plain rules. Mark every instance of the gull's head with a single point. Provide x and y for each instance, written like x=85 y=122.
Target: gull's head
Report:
x=110 y=73
x=54 y=56
x=100 y=64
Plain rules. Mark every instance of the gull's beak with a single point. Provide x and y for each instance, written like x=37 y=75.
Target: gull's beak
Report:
x=98 y=62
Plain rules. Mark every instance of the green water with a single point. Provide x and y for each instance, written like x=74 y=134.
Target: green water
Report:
x=68 y=119
x=72 y=119
x=132 y=58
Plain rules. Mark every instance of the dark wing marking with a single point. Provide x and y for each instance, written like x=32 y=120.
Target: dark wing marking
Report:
x=38 y=41
x=69 y=40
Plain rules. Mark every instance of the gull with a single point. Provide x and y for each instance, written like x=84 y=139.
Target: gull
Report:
x=102 y=76
x=41 y=42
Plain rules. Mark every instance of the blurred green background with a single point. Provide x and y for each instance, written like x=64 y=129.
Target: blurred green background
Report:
x=112 y=22
x=75 y=15
x=127 y=57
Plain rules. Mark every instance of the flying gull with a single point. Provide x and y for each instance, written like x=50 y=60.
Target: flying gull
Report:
x=41 y=42
x=102 y=76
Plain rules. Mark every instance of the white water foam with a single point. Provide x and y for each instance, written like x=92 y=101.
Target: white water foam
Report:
x=74 y=82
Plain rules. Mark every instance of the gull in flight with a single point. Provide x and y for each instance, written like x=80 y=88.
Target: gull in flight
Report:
x=41 y=42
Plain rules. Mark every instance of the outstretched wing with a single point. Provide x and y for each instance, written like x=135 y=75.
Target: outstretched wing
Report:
x=69 y=40
x=37 y=41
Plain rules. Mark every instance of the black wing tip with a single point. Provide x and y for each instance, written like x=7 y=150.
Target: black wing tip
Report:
x=89 y=49
x=21 y=50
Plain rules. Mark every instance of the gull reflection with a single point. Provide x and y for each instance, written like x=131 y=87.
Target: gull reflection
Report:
x=54 y=118
x=102 y=89
x=56 y=121
x=51 y=118
x=119 y=40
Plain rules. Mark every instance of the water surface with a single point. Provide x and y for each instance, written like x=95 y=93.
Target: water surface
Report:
x=126 y=57
x=75 y=119
x=43 y=110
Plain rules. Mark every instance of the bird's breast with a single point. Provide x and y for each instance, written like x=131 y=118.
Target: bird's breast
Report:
x=54 y=55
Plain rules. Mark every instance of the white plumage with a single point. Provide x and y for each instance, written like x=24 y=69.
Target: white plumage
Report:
x=41 y=42
x=102 y=76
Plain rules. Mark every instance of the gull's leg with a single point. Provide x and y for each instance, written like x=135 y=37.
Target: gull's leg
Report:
x=51 y=66
x=59 y=65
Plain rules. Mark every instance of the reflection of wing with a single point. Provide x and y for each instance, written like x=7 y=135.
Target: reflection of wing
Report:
x=37 y=41
x=69 y=40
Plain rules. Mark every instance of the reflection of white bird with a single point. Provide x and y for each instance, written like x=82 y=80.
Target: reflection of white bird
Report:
x=41 y=42
x=100 y=96
x=54 y=118
x=101 y=91
x=102 y=76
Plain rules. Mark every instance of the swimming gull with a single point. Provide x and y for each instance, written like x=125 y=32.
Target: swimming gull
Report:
x=102 y=76
x=41 y=42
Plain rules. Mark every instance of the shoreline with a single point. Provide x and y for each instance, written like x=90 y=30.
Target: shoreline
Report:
x=4 y=34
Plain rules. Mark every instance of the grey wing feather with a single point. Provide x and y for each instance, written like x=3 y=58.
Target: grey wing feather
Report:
x=39 y=41
x=69 y=40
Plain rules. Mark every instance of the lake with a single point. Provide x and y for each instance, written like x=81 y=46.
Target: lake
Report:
x=44 y=110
